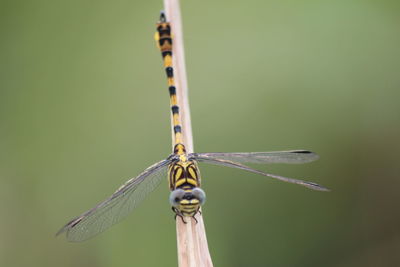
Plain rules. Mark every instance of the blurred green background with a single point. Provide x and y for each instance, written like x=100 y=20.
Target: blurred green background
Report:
x=84 y=106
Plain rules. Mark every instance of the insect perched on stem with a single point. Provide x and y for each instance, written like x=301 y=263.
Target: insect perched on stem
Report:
x=181 y=168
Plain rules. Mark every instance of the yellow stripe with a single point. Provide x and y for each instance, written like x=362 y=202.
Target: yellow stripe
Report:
x=157 y=38
x=194 y=201
x=192 y=173
x=178 y=174
x=167 y=61
x=176 y=119
x=178 y=139
x=173 y=100
x=191 y=181
x=179 y=182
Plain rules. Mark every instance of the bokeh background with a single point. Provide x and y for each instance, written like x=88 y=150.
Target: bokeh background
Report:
x=84 y=107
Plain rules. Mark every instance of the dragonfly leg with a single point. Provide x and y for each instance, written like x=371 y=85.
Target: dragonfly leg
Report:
x=183 y=220
x=177 y=213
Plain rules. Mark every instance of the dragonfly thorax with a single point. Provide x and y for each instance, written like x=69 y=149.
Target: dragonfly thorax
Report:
x=183 y=174
x=184 y=180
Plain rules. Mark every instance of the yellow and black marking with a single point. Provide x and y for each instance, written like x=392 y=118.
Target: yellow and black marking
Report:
x=164 y=41
x=183 y=173
x=186 y=196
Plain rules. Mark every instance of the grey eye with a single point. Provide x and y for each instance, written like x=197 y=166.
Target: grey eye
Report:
x=176 y=196
x=199 y=194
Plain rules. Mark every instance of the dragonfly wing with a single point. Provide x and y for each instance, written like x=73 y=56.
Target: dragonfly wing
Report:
x=117 y=206
x=291 y=156
x=232 y=164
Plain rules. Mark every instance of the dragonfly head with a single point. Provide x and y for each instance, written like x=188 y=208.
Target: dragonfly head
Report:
x=187 y=203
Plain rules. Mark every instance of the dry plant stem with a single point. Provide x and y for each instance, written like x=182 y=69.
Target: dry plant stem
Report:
x=191 y=237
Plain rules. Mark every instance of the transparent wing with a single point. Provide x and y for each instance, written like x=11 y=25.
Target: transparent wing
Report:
x=291 y=156
x=232 y=164
x=117 y=206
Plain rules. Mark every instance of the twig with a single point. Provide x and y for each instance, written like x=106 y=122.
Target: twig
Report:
x=191 y=237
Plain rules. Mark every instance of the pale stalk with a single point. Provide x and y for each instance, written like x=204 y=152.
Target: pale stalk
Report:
x=191 y=237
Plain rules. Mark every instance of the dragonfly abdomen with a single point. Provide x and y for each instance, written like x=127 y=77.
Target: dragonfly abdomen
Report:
x=164 y=41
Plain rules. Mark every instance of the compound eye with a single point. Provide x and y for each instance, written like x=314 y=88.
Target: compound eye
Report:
x=176 y=196
x=199 y=194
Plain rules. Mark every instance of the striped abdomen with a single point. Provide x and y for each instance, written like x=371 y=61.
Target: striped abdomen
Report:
x=164 y=42
x=186 y=196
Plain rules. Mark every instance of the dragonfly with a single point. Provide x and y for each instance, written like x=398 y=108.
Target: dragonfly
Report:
x=181 y=168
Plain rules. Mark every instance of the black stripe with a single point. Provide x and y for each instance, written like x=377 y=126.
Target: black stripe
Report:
x=172 y=90
x=301 y=152
x=165 y=53
x=162 y=40
x=177 y=129
x=175 y=109
x=170 y=72
x=194 y=170
x=164 y=31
